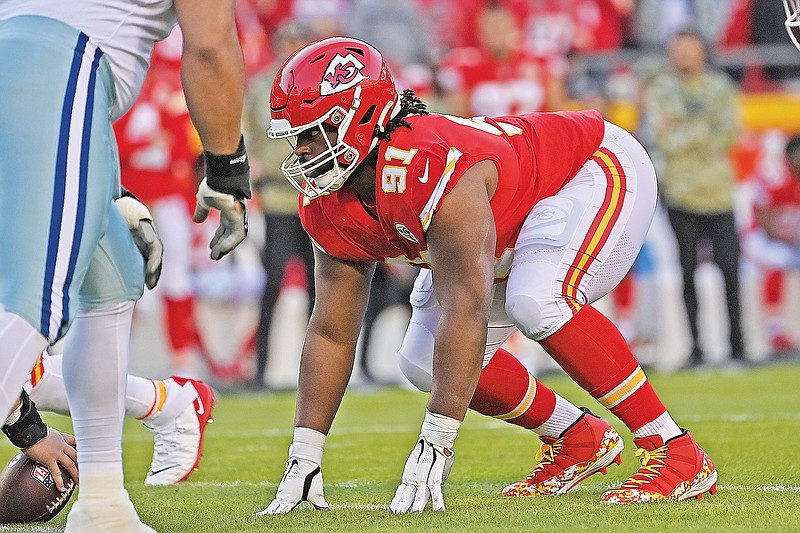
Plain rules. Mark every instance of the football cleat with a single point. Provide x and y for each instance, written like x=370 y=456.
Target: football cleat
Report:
x=179 y=428
x=113 y=513
x=588 y=446
x=676 y=470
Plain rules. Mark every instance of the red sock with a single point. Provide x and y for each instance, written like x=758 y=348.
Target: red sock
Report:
x=773 y=288
x=506 y=390
x=592 y=351
x=180 y=322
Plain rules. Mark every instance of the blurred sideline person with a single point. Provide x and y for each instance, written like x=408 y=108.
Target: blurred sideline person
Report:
x=500 y=76
x=285 y=238
x=773 y=243
x=691 y=112
x=70 y=70
x=519 y=223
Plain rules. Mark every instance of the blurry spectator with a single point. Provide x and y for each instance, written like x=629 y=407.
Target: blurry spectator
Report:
x=285 y=237
x=773 y=243
x=394 y=26
x=324 y=18
x=691 y=111
x=450 y=23
x=657 y=22
x=499 y=76
x=158 y=147
x=555 y=27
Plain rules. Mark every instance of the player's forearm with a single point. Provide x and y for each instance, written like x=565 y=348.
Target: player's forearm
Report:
x=213 y=79
x=325 y=369
x=459 y=347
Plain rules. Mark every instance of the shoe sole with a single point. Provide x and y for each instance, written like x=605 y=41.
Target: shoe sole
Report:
x=696 y=491
x=613 y=455
x=709 y=484
x=206 y=395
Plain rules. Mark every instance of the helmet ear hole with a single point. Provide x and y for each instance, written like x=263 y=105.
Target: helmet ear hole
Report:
x=368 y=115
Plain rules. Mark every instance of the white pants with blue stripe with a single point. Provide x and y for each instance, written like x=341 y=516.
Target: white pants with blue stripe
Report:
x=62 y=242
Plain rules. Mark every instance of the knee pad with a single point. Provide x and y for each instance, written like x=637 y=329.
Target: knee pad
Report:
x=420 y=377
x=415 y=357
x=527 y=314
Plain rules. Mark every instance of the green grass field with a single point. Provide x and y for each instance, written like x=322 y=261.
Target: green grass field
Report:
x=748 y=421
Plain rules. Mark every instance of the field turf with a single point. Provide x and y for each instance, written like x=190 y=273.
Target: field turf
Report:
x=748 y=421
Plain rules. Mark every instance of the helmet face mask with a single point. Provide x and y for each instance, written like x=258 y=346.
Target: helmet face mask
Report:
x=341 y=84
x=322 y=173
x=792 y=8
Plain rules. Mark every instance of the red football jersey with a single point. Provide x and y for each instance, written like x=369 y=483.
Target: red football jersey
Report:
x=535 y=155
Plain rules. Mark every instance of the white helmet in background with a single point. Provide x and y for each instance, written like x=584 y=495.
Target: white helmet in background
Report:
x=792 y=23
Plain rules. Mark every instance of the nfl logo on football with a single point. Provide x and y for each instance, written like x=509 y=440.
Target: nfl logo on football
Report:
x=42 y=475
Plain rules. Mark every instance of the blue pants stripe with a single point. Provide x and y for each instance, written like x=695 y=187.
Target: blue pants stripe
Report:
x=59 y=189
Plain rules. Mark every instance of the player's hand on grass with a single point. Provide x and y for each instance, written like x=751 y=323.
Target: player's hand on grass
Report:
x=55 y=451
x=302 y=480
x=428 y=466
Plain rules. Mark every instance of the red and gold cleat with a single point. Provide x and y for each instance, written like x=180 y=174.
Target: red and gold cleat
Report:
x=589 y=446
x=676 y=470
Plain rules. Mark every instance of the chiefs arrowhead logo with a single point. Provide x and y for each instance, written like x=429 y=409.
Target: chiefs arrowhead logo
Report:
x=343 y=72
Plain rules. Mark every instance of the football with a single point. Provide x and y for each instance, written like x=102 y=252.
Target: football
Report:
x=28 y=492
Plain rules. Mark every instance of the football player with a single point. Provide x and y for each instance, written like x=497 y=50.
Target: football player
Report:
x=773 y=241
x=68 y=262
x=521 y=222
x=177 y=409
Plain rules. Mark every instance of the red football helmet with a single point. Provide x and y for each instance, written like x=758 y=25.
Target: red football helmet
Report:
x=341 y=82
x=792 y=8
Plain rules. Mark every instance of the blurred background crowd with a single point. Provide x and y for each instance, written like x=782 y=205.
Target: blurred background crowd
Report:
x=709 y=86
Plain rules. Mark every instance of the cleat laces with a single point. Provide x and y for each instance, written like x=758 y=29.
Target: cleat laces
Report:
x=652 y=461
x=546 y=456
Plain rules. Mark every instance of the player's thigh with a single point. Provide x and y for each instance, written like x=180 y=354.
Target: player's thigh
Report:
x=578 y=245
x=57 y=167
x=416 y=353
x=116 y=272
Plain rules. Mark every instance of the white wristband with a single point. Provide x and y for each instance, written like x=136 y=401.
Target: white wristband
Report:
x=440 y=430
x=307 y=444
x=15 y=415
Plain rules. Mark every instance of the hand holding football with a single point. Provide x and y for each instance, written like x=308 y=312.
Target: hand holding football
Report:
x=28 y=492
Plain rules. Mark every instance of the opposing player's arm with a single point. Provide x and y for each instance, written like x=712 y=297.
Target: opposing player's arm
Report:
x=461 y=241
x=342 y=292
x=212 y=70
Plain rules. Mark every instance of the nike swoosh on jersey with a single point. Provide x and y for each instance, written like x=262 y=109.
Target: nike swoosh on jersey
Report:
x=200 y=408
x=424 y=177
